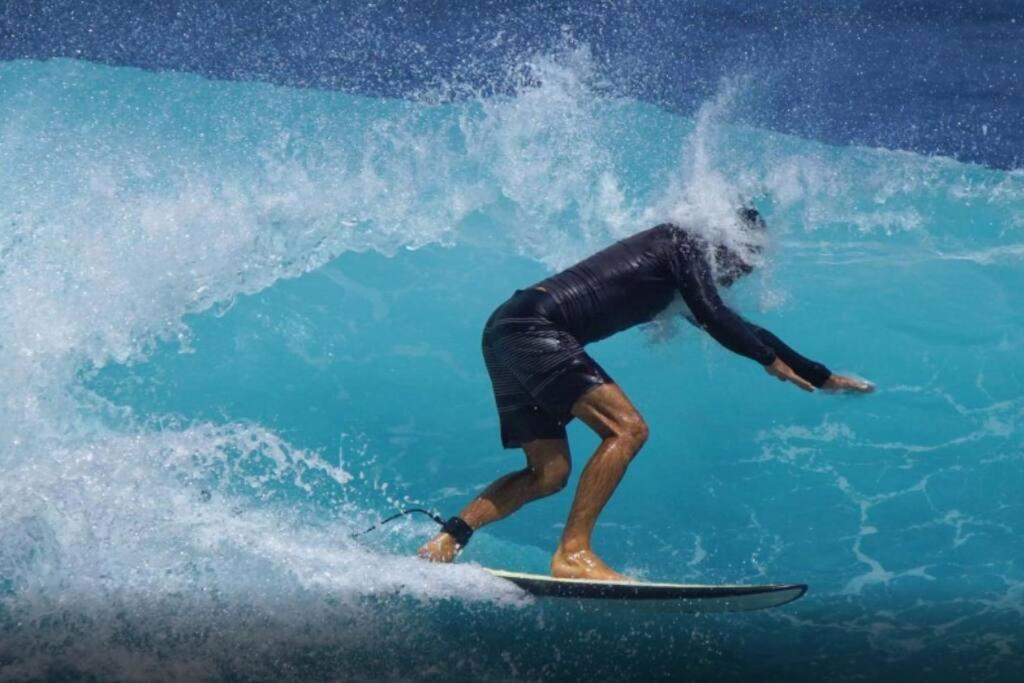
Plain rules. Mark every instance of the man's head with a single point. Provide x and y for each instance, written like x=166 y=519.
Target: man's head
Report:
x=734 y=261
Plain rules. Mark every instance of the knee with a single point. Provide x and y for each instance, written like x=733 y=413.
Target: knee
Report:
x=553 y=477
x=634 y=429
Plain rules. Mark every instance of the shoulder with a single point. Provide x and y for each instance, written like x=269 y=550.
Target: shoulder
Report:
x=676 y=233
x=677 y=240
x=668 y=230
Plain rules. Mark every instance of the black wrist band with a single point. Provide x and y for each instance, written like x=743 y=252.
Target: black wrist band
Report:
x=458 y=529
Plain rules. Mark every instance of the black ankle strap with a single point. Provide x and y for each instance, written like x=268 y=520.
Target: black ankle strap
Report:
x=458 y=529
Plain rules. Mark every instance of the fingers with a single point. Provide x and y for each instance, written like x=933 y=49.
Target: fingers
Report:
x=839 y=383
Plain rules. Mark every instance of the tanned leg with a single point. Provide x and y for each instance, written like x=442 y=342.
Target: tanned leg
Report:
x=608 y=412
x=546 y=472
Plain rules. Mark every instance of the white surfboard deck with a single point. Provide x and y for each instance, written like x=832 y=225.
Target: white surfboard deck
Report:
x=681 y=597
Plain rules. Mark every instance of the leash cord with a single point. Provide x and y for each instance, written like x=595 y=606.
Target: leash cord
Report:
x=437 y=518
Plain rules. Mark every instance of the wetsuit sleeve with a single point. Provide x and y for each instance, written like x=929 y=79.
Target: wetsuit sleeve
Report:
x=695 y=283
x=814 y=372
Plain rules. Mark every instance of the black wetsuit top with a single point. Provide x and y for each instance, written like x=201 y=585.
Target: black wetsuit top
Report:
x=633 y=280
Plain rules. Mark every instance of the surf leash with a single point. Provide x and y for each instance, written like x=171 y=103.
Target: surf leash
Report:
x=455 y=526
x=434 y=516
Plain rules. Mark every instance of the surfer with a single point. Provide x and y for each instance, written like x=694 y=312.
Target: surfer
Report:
x=542 y=378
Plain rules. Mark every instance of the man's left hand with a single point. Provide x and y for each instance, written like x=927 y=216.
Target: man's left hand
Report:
x=848 y=385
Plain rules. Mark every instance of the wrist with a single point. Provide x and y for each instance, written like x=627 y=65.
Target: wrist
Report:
x=820 y=377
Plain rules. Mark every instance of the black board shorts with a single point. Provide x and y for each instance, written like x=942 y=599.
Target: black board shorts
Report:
x=537 y=369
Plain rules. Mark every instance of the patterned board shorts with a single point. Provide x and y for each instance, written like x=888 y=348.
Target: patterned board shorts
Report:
x=537 y=369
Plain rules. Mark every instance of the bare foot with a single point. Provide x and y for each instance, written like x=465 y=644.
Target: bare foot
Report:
x=441 y=548
x=583 y=564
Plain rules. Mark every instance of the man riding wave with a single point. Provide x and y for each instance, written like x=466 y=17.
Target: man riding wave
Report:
x=542 y=378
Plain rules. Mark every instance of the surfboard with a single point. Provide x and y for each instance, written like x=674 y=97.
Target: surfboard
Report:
x=681 y=597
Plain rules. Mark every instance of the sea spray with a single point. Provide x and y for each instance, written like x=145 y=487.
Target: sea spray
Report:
x=207 y=284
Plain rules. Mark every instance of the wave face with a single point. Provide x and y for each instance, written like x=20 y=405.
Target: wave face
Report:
x=240 y=322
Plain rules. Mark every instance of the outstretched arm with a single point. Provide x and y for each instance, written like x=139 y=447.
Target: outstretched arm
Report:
x=710 y=313
x=812 y=371
x=728 y=329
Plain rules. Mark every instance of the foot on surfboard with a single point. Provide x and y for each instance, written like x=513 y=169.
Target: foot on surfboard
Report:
x=583 y=564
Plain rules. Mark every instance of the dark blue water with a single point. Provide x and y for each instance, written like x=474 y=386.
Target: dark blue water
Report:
x=929 y=76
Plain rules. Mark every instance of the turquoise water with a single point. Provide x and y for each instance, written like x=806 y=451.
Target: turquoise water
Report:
x=240 y=322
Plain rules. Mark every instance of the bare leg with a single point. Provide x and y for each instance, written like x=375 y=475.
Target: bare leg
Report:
x=546 y=472
x=608 y=412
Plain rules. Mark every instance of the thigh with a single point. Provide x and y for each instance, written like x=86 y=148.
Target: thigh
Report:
x=508 y=391
x=552 y=367
x=607 y=410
